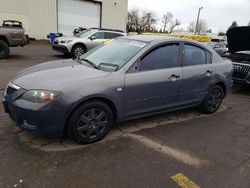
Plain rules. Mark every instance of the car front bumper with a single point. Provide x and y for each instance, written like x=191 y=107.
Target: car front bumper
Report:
x=245 y=81
x=60 y=48
x=36 y=118
x=242 y=82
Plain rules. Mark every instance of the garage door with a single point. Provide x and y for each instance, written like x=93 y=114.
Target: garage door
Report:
x=77 y=13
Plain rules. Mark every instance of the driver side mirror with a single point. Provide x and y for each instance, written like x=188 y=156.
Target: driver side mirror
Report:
x=92 y=38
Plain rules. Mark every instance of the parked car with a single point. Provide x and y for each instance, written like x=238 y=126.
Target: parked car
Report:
x=123 y=79
x=12 y=34
x=82 y=42
x=219 y=47
x=239 y=47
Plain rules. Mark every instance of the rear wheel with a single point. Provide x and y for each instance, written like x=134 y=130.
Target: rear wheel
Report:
x=90 y=122
x=4 y=49
x=213 y=100
x=78 y=50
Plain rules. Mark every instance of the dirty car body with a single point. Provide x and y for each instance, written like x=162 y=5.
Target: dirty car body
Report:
x=131 y=75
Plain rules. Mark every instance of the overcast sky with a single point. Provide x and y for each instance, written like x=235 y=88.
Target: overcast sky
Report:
x=219 y=14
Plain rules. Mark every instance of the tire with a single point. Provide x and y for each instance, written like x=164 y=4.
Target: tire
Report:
x=90 y=122
x=213 y=100
x=4 y=50
x=77 y=51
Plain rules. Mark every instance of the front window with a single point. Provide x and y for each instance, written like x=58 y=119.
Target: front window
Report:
x=99 y=35
x=162 y=57
x=114 y=54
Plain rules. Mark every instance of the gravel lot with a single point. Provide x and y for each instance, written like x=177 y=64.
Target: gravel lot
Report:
x=158 y=152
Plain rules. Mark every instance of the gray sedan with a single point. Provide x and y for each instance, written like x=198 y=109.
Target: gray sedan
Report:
x=123 y=79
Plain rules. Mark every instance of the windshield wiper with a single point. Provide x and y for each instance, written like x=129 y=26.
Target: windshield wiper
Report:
x=90 y=63
x=105 y=65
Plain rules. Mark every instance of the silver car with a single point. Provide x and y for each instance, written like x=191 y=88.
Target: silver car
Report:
x=79 y=44
x=123 y=79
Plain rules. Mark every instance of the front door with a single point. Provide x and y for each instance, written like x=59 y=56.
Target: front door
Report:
x=99 y=37
x=155 y=85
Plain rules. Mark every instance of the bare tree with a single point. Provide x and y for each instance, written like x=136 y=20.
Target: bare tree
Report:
x=141 y=22
x=166 y=20
x=173 y=24
x=191 y=26
x=133 y=20
x=201 y=27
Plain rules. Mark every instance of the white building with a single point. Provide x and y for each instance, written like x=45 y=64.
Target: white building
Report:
x=41 y=17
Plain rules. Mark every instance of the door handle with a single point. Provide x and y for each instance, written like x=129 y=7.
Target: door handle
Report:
x=174 y=77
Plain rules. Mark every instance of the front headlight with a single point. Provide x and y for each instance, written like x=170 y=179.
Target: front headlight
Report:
x=40 y=96
x=65 y=41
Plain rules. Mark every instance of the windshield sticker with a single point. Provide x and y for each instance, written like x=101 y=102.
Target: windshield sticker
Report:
x=136 y=43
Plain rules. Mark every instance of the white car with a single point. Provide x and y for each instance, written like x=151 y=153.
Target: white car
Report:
x=79 y=44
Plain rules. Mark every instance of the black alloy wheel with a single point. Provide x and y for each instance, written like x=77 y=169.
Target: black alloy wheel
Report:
x=213 y=100
x=90 y=122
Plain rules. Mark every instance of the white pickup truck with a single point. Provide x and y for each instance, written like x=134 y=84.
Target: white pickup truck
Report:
x=12 y=34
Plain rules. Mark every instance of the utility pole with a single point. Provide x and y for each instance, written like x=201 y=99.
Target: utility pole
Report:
x=198 y=18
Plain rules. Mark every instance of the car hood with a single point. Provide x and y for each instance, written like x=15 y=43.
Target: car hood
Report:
x=66 y=38
x=54 y=74
x=238 y=39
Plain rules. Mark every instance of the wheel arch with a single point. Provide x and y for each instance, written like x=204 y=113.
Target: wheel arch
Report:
x=105 y=100
x=4 y=39
x=223 y=85
x=80 y=44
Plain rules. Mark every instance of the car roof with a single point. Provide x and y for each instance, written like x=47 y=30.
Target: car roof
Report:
x=154 y=38
x=108 y=30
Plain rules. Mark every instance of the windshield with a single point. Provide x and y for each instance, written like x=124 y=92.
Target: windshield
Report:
x=113 y=54
x=84 y=34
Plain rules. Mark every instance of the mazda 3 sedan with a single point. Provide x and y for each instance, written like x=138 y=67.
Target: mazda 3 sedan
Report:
x=122 y=79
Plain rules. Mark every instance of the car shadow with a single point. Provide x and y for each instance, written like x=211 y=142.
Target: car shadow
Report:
x=15 y=56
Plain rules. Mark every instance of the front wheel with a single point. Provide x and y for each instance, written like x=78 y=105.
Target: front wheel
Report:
x=213 y=100
x=4 y=50
x=77 y=51
x=90 y=122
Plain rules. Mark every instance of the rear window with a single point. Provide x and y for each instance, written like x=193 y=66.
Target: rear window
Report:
x=112 y=35
x=194 y=55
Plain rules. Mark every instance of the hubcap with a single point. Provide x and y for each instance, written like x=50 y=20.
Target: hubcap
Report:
x=78 y=52
x=215 y=99
x=92 y=123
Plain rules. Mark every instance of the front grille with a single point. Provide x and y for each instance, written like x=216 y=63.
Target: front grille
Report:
x=10 y=90
x=240 y=71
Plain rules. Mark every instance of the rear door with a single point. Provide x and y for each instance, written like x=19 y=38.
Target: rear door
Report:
x=198 y=73
x=154 y=84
